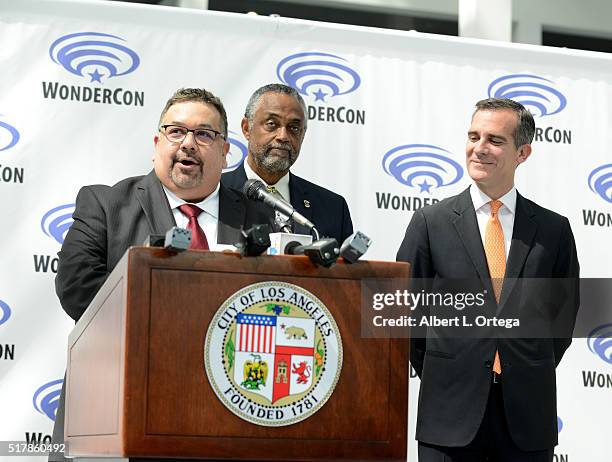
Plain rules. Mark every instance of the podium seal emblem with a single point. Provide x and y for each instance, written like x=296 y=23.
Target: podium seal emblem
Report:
x=273 y=353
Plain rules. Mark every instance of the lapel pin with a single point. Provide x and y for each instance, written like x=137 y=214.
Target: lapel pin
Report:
x=306 y=203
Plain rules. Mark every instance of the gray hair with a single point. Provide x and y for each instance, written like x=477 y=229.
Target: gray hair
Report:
x=255 y=98
x=525 y=128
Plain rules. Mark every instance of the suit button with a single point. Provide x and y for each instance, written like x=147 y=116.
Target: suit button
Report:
x=487 y=363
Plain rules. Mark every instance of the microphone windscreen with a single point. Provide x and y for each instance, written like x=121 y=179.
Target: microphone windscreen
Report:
x=251 y=188
x=291 y=247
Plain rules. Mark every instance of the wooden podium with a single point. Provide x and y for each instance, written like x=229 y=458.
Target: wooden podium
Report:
x=137 y=386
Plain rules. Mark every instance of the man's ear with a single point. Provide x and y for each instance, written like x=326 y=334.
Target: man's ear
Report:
x=524 y=152
x=155 y=142
x=245 y=128
x=226 y=148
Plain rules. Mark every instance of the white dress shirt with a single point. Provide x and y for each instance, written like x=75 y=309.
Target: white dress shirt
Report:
x=506 y=213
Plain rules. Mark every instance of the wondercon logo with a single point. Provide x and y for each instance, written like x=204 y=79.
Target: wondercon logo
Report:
x=318 y=74
x=237 y=153
x=600 y=342
x=273 y=353
x=5 y=312
x=600 y=182
x=56 y=222
x=94 y=55
x=46 y=398
x=422 y=165
x=9 y=136
x=536 y=93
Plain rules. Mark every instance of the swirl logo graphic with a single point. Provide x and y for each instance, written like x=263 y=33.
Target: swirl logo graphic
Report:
x=318 y=74
x=9 y=136
x=94 y=55
x=55 y=222
x=600 y=182
x=5 y=312
x=536 y=93
x=559 y=424
x=237 y=153
x=426 y=163
x=46 y=398
x=600 y=342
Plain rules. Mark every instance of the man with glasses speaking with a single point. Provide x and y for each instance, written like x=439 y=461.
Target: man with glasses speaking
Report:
x=182 y=190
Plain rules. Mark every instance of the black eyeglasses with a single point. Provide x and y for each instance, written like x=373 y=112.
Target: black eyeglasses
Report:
x=203 y=136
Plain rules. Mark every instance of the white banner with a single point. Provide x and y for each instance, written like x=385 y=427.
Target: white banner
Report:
x=80 y=95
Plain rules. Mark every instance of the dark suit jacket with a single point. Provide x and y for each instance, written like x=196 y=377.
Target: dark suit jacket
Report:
x=328 y=210
x=443 y=242
x=108 y=220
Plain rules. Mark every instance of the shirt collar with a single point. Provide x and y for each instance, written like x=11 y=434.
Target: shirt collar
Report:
x=281 y=185
x=480 y=199
x=210 y=204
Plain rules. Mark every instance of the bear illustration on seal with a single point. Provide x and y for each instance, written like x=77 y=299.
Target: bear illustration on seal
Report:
x=295 y=332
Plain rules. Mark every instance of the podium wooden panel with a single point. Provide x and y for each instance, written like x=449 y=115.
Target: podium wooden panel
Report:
x=137 y=387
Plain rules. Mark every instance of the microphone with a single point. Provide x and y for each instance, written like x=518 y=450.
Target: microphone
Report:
x=256 y=240
x=256 y=191
x=323 y=252
x=177 y=239
x=354 y=247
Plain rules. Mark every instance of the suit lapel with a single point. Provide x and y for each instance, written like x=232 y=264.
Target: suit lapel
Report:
x=155 y=205
x=231 y=217
x=466 y=225
x=299 y=199
x=522 y=239
x=238 y=177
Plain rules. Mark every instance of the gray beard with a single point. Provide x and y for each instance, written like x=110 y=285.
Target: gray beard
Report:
x=274 y=164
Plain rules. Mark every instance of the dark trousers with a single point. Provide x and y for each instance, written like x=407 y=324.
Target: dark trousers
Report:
x=492 y=442
x=58 y=427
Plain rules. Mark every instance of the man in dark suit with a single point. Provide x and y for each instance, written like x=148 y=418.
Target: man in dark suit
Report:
x=183 y=189
x=274 y=124
x=493 y=398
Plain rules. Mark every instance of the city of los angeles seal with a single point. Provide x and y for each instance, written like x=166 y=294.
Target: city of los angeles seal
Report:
x=273 y=353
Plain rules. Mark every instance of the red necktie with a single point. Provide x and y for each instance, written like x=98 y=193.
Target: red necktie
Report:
x=198 y=238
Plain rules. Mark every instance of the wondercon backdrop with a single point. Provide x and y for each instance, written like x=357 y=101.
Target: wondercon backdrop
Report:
x=80 y=95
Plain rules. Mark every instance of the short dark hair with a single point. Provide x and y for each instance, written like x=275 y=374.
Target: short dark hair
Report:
x=249 y=112
x=525 y=128
x=200 y=95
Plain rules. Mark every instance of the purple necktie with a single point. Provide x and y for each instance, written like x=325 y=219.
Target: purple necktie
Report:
x=198 y=238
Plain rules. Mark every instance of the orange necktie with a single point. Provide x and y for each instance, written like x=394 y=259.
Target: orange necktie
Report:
x=495 y=250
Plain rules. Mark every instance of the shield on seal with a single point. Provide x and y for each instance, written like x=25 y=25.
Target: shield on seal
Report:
x=274 y=355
